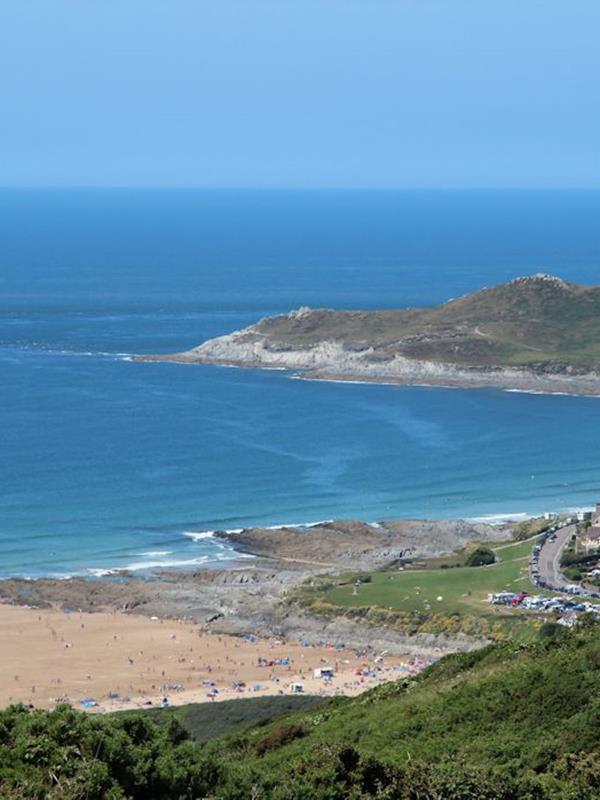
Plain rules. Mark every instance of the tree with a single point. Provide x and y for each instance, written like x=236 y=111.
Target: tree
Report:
x=480 y=557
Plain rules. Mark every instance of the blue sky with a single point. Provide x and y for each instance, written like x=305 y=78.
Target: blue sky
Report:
x=306 y=93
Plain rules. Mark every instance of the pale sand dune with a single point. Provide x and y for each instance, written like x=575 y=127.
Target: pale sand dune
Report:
x=50 y=654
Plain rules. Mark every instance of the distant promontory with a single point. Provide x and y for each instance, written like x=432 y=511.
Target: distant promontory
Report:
x=536 y=333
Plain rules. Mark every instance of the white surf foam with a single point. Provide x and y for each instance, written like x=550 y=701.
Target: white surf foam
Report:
x=137 y=566
x=79 y=353
x=579 y=510
x=198 y=536
x=493 y=519
x=293 y=525
x=102 y=572
x=499 y=518
x=538 y=391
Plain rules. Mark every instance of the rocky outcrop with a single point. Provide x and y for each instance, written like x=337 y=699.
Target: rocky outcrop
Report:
x=351 y=544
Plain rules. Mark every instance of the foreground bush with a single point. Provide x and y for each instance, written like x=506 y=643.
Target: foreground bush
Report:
x=69 y=755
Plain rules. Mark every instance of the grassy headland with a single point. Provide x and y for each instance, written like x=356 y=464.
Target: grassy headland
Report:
x=537 y=333
x=540 y=322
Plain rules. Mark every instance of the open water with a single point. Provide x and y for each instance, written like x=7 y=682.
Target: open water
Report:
x=107 y=463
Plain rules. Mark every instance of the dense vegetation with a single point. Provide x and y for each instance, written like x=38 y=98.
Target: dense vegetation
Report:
x=508 y=721
x=66 y=754
x=576 y=563
x=204 y=721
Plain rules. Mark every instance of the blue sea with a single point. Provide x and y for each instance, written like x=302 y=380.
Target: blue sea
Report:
x=107 y=463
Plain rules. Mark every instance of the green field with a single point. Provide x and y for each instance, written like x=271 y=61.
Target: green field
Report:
x=438 y=598
x=448 y=591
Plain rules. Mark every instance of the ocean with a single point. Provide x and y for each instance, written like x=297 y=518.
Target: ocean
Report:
x=106 y=463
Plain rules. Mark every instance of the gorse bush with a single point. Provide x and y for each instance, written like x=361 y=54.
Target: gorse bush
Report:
x=279 y=736
x=66 y=754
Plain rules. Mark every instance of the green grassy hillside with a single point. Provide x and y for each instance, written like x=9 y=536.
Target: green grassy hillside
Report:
x=508 y=722
x=540 y=322
x=440 y=598
x=457 y=590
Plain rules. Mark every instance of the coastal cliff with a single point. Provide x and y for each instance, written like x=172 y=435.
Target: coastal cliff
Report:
x=536 y=333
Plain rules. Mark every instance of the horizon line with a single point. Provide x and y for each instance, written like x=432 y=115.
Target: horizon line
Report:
x=248 y=188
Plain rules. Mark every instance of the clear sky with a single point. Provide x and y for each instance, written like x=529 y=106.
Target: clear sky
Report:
x=307 y=93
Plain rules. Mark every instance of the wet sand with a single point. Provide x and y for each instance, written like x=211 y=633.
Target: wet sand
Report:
x=129 y=661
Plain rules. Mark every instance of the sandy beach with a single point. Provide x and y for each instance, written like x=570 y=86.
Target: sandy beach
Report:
x=127 y=661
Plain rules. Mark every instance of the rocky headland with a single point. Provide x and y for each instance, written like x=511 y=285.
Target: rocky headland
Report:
x=537 y=333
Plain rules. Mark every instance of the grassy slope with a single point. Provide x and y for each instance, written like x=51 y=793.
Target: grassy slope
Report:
x=204 y=721
x=408 y=600
x=534 y=321
x=510 y=709
x=499 y=700
x=462 y=589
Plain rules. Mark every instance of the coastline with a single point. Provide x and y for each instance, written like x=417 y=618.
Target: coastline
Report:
x=127 y=641
x=96 y=636
x=305 y=365
x=240 y=557
x=529 y=383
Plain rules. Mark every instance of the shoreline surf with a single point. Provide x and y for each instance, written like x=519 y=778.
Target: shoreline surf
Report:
x=228 y=555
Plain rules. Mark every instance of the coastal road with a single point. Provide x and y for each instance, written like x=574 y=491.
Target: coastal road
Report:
x=549 y=560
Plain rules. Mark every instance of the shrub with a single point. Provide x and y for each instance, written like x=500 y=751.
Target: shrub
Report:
x=550 y=630
x=279 y=736
x=573 y=573
x=480 y=557
x=530 y=527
